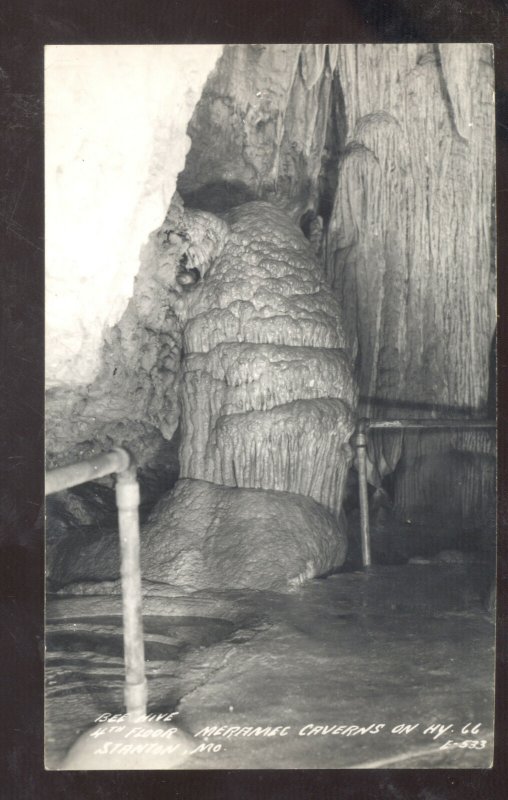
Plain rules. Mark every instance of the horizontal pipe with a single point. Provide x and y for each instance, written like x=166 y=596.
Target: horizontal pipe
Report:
x=399 y=424
x=363 y=427
x=117 y=460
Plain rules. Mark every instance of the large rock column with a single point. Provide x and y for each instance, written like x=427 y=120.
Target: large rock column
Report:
x=267 y=388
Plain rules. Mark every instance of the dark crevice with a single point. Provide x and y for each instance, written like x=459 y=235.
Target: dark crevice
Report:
x=335 y=143
x=216 y=196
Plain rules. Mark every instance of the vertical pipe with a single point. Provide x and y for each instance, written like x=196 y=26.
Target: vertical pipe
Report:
x=361 y=451
x=127 y=499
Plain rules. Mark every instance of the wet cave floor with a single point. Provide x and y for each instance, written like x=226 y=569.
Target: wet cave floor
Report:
x=328 y=677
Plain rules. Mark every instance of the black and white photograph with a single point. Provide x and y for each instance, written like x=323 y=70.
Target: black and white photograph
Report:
x=270 y=406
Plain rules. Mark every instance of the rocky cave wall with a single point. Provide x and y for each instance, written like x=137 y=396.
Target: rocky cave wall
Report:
x=383 y=156
x=116 y=119
x=115 y=141
x=290 y=84
x=396 y=192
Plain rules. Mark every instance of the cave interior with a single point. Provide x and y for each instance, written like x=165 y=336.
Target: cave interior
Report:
x=326 y=253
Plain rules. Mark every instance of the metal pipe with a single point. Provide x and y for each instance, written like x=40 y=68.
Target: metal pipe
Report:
x=360 y=442
x=72 y=475
x=400 y=424
x=127 y=501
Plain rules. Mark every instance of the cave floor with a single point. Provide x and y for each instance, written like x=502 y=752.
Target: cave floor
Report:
x=382 y=649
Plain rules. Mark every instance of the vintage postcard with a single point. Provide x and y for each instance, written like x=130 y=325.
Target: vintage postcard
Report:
x=270 y=406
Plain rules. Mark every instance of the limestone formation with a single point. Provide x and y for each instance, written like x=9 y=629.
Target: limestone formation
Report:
x=410 y=239
x=133 y=400
x=410 y=235
x=267 y=389
x=238 y=343
x=202 y=535
x=392 y=146
x=116 y=120
x=264 y=391
x=262 y=128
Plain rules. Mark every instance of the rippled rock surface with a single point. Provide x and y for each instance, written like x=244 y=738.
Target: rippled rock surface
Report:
x=267 y=390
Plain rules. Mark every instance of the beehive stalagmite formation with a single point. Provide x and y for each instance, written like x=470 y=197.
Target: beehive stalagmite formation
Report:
x=267 y=391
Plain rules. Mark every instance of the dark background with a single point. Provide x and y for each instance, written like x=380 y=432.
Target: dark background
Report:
x=25 y=26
